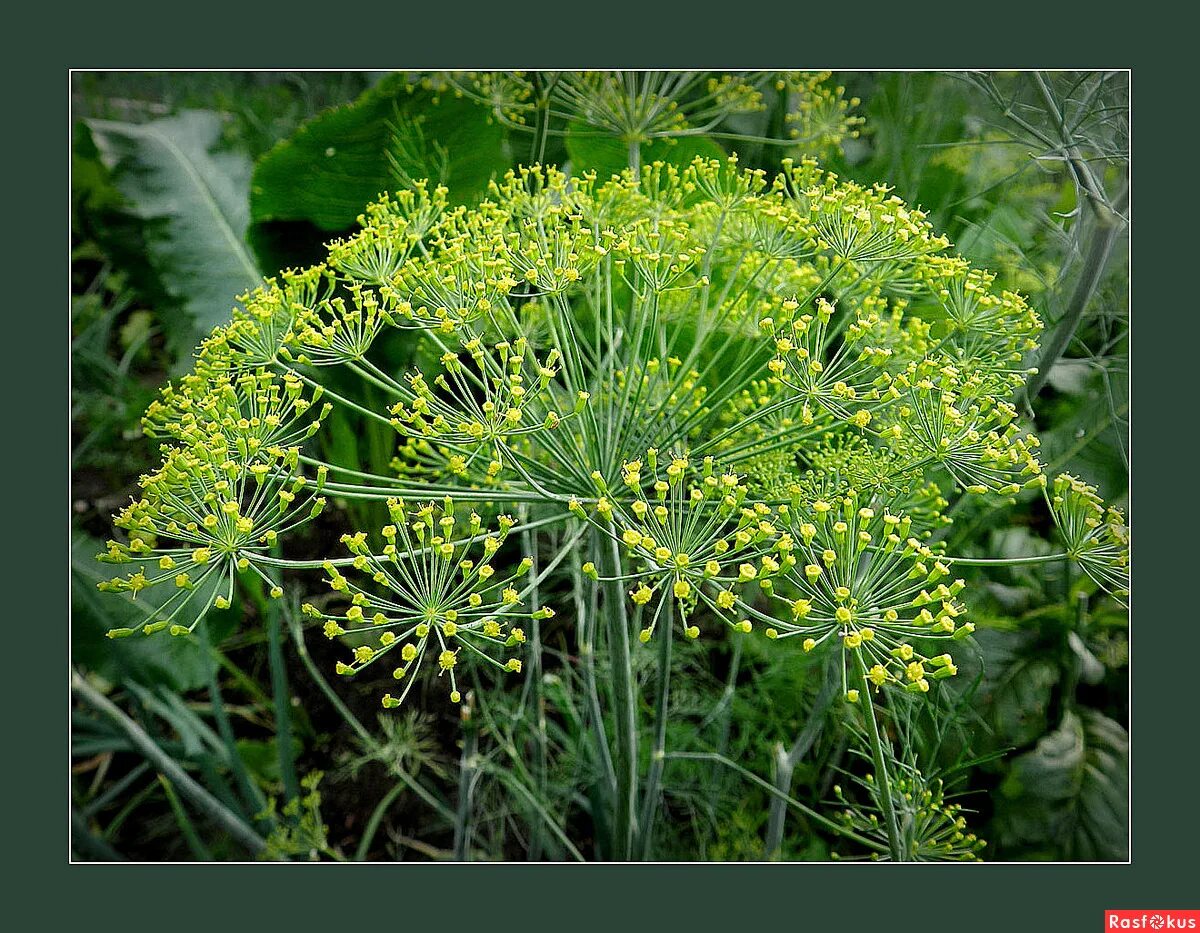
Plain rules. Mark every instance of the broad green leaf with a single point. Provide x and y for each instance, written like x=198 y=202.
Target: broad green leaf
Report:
x=395 y=133
x=1071 y=792
x=193 y=202
x=591 y=150
x=1018 y=677
x=1021 y=699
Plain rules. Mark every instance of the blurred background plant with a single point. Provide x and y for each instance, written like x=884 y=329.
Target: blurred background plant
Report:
x=188 y=187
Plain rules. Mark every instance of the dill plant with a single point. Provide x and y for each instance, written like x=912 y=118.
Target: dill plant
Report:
x=720 y=401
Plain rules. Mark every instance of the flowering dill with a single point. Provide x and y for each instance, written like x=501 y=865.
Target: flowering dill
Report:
x=934 y=827
x=1097 y=538
x=206 y=515
x=435 y=593
x=858 y=580
x=735 y=398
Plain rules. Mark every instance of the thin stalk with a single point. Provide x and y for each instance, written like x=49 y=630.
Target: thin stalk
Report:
x=786 y=762
x=541 y=127
x=1003 y=561
x=205 y=802
x=468 y=765
x=883 y=782
x=269 y=610
x=282 y=703
x=199 y=850
x=586 y=622
x=251 y=795
x=364 y=843
x=116 y=790
x=532 y=689
x=815 y=816
x=624 y=713
x=657 y=754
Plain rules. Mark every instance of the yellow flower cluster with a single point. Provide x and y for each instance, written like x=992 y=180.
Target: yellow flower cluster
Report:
x=1096 y=537
x=432 y=590
x=860 y=580
x=690 y=534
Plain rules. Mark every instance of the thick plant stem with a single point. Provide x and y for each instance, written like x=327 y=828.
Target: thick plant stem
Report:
x=786 y=762
x=205 y=802
x=635 y=156
x=883 y=782
x=605 y=789
x=1108 y=224
x=658 y=753
x=624 y=713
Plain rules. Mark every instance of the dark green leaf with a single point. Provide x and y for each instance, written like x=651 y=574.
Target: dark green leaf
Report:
x=395 y=133
x=262 y=757
x=1071 y=790
x=606 y=155
x=192 y=201
x=1017 y=688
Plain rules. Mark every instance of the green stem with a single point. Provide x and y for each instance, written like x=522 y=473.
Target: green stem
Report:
x=467 y=768
x=770 y=788
x=282 y=703
x=624 y=713
x=541 y=127
x=786 y=762
x=1109 y=224
x=586 y=616
x=199 y=850
x=881 y=773
x=657 y=755
x=201 y=798
x=532 y=689
x=1003 y=561
x=373 y=824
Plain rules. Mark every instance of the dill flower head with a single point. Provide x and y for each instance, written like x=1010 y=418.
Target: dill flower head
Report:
x=863 y=584
x=207 y=514
x=253 y=410
x=1096 y=537
x=495 y=395
x=934 y=828
x=644 y=106
x=690 y=535
x=432 y=596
